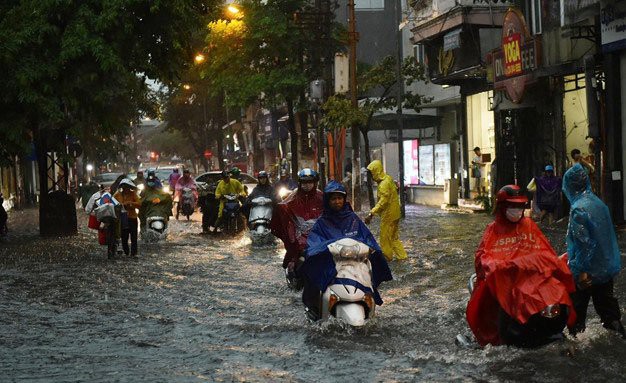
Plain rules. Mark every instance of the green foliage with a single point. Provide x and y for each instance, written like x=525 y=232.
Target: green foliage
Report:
x=172 y=143
x=262 y=56
x=381 y=80
x=82 y=66
x=339 y=113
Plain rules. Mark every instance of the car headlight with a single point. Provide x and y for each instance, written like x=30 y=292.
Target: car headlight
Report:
x=166 y=188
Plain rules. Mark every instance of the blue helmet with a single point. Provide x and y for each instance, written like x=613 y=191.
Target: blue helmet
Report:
x=307 y=174
x=263 y=174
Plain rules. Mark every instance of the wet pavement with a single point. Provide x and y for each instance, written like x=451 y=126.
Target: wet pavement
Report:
x=199 y=308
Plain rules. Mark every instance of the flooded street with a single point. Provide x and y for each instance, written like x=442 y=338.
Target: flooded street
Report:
x=199 y=308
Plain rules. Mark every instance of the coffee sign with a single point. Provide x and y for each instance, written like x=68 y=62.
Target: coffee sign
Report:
x=518 y=57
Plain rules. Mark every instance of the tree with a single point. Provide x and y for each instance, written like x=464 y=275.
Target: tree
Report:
x=193 y=113
x=264 y=56
x=380 y=82
x=70 y=64
x=75 y=66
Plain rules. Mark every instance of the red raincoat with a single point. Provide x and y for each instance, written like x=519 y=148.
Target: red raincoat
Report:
x=519 y=271
x=293 y=218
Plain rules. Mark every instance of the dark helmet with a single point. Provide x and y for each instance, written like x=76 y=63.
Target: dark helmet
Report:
x=307 y=174
x=235 y=171
x=151 y=175
x=225 y=174
x=263 y=174
x=511 y=194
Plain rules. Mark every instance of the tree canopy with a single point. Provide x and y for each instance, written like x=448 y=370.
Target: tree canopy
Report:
x=83 y=65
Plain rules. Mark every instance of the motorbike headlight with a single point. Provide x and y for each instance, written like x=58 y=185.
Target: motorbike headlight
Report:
x=283 y=192
x=166 y=188
x=349 y=252
x=551 y=311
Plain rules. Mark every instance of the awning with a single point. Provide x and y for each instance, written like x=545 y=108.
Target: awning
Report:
x=492 y=15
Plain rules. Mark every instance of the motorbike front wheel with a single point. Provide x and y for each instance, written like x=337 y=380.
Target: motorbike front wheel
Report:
x=536 y=332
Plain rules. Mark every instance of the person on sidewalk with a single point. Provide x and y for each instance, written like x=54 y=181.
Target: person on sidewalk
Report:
x=388 y=207
x=127 y=196
x=594 y=257
x=477 y=170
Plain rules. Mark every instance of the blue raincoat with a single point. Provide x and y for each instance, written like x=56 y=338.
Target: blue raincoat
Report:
x=591 y=241
x=319 y=266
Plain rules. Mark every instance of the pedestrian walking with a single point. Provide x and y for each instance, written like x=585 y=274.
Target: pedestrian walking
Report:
x=594 y=257
x=388 y=208
x=548 y=194
x=130 y=201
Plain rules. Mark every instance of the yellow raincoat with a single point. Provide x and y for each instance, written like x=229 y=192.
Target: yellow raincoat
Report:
x=388 y=208
x=223 y=188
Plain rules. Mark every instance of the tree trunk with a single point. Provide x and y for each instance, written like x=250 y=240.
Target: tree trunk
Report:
x=356 y=169
x=220 y=148
x=293 y=136
x=368 y=160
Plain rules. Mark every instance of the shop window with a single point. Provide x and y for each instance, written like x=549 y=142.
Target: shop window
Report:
x=369 y=4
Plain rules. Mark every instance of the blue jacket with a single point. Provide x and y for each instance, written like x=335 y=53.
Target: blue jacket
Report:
x=319 y=266
x=591 y=241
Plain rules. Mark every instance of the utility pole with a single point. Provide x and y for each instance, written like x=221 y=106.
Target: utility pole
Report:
x=356 y=166
x=399 y=120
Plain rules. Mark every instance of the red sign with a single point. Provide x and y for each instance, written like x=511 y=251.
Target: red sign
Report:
x=511 y=46
x=208 y=154
x=513 y=65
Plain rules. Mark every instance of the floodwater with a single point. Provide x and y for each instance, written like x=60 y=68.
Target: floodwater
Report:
x=198 y=308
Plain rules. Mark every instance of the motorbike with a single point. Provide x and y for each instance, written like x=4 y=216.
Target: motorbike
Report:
x=541 y=328
x=231 y=215
x=259 y=220
x=156 y=229
x=187 y=202
x=350 y=297
x=155 y=213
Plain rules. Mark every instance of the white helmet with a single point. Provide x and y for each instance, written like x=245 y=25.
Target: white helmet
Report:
x=127 y=181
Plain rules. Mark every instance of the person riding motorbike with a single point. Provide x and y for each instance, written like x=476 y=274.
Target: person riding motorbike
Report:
x=294 y=217
x=156 y=183
x=263 y=189
x=4 y=217
x=228 y=185
x=186 y=181
x=518 y=275
x=173 y=178
x=338 y=221
x=154 y=201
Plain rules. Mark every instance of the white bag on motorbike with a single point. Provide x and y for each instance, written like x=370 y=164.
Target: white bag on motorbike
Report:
x=105 y=212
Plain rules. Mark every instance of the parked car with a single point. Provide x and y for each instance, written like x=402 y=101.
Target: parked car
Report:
x=203 y=180
x=106 y=179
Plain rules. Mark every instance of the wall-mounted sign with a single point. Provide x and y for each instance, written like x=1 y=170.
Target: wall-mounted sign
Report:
x=613 y=26
x=452 y=40
x=518 y=57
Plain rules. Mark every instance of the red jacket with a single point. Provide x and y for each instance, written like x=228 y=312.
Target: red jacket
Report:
x=293 y=218
x=517 y=270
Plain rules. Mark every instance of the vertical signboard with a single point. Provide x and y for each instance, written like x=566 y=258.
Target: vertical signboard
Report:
x=411 y=162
